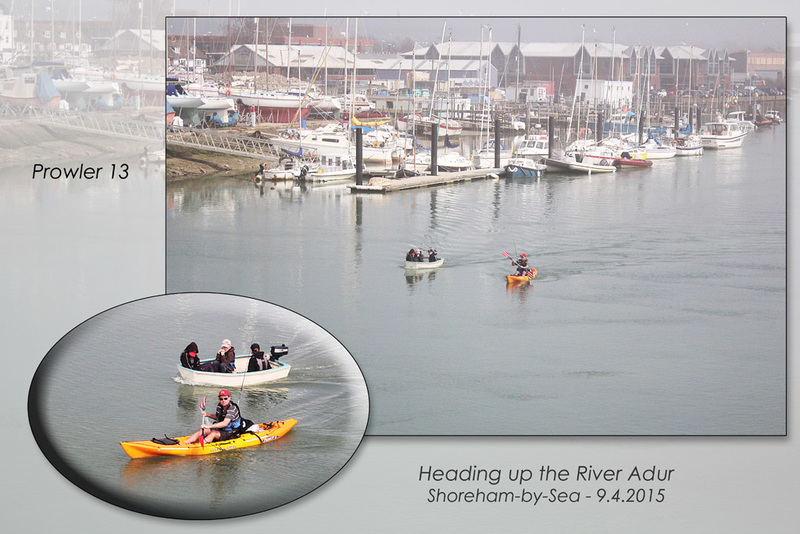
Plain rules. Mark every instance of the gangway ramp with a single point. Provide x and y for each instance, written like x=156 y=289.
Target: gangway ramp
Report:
x=224 y=142
x=98 y=122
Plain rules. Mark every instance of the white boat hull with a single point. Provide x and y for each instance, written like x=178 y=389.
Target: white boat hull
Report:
x=720 y=142
x=239 y=378
x=575 y=166
x=689 y=151
x=423 y=265
x=719 y=135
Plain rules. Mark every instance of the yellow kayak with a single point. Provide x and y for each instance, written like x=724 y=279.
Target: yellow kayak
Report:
x=267 y=432
x=525 y=278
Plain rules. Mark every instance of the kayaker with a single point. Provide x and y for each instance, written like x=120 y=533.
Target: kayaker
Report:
x=432 y=255
x=189 y=357
x=522 y=265
x=412 y=255
x=226 y=425
x=257 y=361
x=226 y=358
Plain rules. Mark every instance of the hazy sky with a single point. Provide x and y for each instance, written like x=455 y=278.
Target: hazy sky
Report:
x=723 y=33
x=656 y=25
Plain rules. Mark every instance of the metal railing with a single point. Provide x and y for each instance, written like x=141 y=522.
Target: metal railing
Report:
x=131 y=128
x=227 y=143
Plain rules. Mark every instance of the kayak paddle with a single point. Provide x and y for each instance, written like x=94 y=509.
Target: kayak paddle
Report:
x=202 y=421
x=507 y=255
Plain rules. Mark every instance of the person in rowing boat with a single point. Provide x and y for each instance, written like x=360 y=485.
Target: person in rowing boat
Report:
x=432 y=255
x=412 y=255
x=226 y=358
x=189 y=358
x=522 y=265
x=257 y=361
x=226 y=425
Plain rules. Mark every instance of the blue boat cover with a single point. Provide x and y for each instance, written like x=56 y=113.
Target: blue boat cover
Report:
x=299 y=153
x=45 y=88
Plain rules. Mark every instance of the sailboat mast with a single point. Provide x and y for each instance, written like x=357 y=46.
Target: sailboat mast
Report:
x=289 y=54
x=577 y=85
x=194 y=50
x=353 y=83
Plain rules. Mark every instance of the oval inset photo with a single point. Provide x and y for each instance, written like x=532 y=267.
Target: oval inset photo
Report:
x=198 y=406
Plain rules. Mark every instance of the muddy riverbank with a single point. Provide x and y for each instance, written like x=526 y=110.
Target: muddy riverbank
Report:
x=22 y=141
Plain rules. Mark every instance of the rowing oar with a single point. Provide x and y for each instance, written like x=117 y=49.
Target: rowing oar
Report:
x=202 y=421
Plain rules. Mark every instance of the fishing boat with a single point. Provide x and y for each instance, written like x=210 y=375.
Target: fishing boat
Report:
x=524 y=167
x=720 y=135
x=535 y=146
x=423 y=265
x=739 y=118
x=254 y=435
x=239 y=378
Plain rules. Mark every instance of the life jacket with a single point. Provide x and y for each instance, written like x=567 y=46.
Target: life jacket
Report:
x=235 y=426
x=257 y=363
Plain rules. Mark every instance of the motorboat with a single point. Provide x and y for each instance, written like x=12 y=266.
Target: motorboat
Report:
x=566 y=162
x=423 y=265
x=524 y=167
x=721 y=135
x=239 y=378
x=535 y=146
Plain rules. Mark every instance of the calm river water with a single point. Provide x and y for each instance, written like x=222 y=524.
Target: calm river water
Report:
x=660 y=306
x=114 y=378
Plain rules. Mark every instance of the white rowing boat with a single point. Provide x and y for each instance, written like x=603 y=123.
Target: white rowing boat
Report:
x=239 y=378
x=421 y=265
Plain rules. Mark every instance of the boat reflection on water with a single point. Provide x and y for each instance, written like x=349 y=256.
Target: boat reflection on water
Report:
x=413 y=277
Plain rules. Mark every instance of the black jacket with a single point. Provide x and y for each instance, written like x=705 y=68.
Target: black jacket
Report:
x=189 y=361
x=257 y=363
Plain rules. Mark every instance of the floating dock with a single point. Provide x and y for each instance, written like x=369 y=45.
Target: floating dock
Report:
x=387 y=185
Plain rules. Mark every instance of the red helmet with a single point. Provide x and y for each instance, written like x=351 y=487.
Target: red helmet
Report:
x=523 y=255
x=223 y=393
